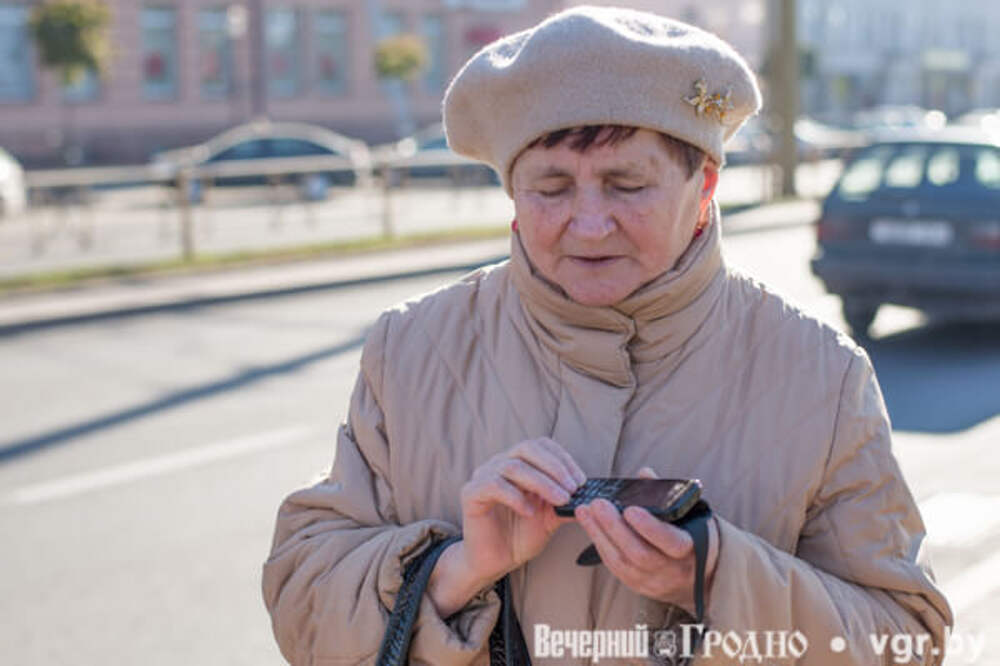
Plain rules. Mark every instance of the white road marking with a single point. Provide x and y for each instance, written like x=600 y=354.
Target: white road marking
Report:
x=141 y=469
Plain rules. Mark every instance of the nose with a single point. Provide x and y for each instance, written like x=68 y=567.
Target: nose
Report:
x=591 y=219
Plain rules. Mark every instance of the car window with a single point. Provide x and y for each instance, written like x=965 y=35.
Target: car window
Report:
x=286 y=147
x=988 y=168
x=943 y=167
x=245 y=150
x=931 y=168
x=864 y=175
x=906 y=169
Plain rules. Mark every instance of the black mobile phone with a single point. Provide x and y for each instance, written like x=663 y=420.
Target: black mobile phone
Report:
x=667 y=499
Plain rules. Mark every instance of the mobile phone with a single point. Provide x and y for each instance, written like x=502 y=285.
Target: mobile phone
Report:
x=667 y=499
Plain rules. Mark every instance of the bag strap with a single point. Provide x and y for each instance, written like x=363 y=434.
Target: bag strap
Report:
x=695 y=523
x=507 y=646
x=395 y=647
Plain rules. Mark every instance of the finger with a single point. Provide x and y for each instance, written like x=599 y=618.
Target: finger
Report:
x=577 y=472
x=633 y=548
x=545 y=460
x=647 y=473
x=553 y=519
x=610 y=554
x=502 y=491
x=668 y=539
x=530 y=478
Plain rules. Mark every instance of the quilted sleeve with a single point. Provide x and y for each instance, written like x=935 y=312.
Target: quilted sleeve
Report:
x=860 y=571
x=338 y=554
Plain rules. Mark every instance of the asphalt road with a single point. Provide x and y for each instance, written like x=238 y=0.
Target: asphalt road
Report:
x=161 y=446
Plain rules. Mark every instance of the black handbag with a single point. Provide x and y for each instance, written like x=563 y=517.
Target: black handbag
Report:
x=506 y=645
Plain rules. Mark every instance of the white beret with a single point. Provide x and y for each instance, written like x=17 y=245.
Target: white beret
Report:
x=595 y=66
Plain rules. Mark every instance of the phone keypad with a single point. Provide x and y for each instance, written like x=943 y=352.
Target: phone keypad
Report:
x=593 y=489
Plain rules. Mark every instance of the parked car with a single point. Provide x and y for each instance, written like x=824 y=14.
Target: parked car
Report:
x=915 y=220
x=816 y=140
x=13 y=197
x=756 y=141
x=890 y=117
x=267 y=140
x=426 y=156
x=987 y=120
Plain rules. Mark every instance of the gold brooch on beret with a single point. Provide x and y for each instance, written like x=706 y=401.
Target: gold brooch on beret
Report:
x=715 y=105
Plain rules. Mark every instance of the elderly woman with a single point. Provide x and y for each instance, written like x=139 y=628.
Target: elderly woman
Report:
x=614 y=342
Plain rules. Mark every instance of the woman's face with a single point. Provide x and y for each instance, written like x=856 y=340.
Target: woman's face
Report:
x=602 y=223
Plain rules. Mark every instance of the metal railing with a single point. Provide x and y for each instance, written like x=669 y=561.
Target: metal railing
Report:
x=64 y=188
x=175 y=196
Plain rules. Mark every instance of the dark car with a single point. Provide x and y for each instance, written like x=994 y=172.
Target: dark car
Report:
x=267 y=143
x=426 y=157
x=915 y=220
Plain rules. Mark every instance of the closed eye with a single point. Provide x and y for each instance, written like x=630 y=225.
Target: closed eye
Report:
x=629 y=190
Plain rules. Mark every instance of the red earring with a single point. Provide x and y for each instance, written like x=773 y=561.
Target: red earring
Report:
x=513 y=226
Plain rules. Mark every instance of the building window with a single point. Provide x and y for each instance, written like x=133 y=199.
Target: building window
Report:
x=159 y=53
x=17 y=75
x=215 y=54
x=282 y=46
x=432 y=30
x=84 y=89
x=331 y=52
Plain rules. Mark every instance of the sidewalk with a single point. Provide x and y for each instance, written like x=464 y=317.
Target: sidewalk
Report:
x=20 y=313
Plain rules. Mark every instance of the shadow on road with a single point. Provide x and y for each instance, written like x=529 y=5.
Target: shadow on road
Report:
x=246 y=377
x=940 y=378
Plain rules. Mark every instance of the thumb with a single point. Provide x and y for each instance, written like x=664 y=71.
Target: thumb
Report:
x=647 y=473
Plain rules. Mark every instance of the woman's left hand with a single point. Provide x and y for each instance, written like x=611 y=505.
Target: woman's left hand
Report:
x=651 y=557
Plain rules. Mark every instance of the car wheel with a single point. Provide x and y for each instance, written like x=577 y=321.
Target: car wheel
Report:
x=859 y=315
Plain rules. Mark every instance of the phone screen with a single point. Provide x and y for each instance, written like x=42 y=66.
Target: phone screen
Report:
x=654 y=493
x=667 y=499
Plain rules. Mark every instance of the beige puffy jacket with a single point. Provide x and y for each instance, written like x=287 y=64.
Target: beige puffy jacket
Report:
x=702 y=373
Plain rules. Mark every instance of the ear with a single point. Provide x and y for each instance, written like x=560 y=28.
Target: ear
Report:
x=710 y=179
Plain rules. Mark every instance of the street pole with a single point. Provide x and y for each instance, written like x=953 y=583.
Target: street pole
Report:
x=785 y=61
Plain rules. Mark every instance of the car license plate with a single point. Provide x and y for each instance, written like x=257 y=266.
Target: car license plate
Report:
x=925 y=233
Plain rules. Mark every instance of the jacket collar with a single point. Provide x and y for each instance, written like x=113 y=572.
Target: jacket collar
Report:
x=647 y=325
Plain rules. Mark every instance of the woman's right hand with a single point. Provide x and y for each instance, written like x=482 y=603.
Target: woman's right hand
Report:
x=507 y=518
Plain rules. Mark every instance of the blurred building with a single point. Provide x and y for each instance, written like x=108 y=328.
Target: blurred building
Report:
x=863 y=53
x=183 y=70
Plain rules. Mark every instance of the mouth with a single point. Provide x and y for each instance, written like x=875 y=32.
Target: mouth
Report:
x=594 y=262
